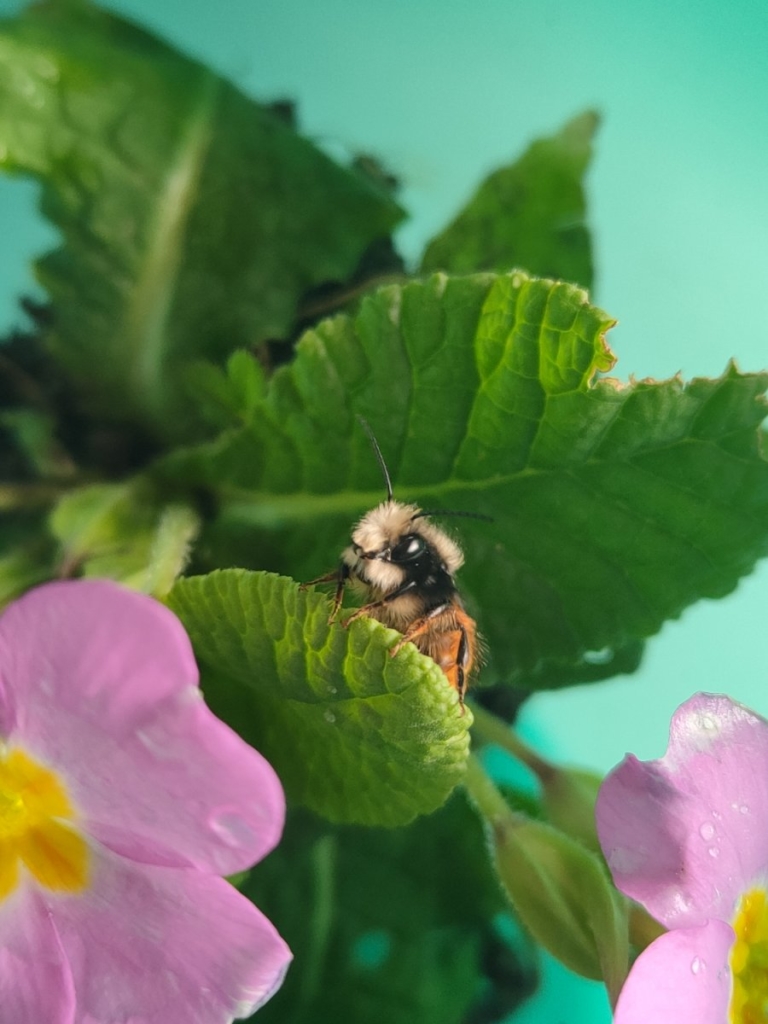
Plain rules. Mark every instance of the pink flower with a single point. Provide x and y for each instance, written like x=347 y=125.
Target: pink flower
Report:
x=122 y=799
x=686 y=836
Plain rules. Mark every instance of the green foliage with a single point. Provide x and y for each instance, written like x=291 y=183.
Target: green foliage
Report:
x=193 y=219
x=355 y=735
x=531 y=214
x=560 y=889
x=615 y=506
x=160 y=414
x=390 y=925
x=121 y=532
x=26 y=554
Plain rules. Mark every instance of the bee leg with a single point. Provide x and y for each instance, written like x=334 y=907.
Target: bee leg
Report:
x=340 y=577
x=461 y=660
x=421 y=626
x=375 y=605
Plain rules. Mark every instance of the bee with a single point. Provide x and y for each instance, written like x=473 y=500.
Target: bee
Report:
x=406 y=566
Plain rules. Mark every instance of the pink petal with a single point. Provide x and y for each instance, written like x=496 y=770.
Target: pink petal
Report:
x=101 y=685
x=681 y=978
x=166 y=946
x=35 y=980
x=685 y=835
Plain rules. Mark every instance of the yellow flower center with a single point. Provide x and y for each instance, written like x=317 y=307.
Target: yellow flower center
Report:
x=749 y=960
x=35 y=812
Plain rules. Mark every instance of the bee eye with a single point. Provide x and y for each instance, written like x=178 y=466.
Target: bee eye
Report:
x=409 y=548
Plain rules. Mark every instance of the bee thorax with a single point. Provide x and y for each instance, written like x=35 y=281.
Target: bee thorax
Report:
x=400 y=613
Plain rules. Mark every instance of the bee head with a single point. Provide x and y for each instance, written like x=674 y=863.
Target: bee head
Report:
x=392 y=538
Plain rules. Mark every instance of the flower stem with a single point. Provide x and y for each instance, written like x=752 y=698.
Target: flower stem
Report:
x=178 y=527
x=494 y=730
x=486 y=796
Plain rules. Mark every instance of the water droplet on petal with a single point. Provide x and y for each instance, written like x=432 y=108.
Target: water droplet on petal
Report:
x=697 y=965
x=625 y=860
x=232 y=828
x=714 y=851
x=683 y=901
x=707 y=831
x=717 y=815
x=156 y=746
x=743 y=809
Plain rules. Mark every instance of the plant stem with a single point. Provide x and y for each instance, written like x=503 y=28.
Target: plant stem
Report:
x=494 y=730
x=484 y=794
x=29 y=496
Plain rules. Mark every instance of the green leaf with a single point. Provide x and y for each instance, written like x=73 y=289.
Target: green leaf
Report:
x=531 y=214
x=615 y=505
x=193 y=219
x=26 y=551
x=390 y=926
x=226 y=394
x=34 y=435
x=355 y=735
x=122 y=532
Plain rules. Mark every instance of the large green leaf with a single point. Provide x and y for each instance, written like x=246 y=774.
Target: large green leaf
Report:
x=390 y=927
x=531 y=214
x=615 y=505
x=354 y=734
x=192 y=218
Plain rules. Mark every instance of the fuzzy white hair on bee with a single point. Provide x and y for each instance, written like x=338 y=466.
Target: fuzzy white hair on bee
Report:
x=379 y=532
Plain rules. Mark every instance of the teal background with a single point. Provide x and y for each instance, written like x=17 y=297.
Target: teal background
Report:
x=444 y=92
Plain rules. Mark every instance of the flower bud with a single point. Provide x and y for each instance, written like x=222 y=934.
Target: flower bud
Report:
x=563 y=896
x=568 y=799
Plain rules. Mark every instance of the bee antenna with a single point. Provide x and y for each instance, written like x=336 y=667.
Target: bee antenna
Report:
x=453 y=512
x=375 y=445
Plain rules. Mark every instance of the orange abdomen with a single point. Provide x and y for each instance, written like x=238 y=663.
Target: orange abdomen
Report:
x=452 y=643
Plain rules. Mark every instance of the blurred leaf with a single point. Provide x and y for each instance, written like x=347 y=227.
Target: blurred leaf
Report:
x=26 y=553
x=355 y=735
x=229 y=393
x=390 y=926
x=531 y=214
x=615 y=505
x=193 y=219
x=34 y=435
x=122 y=532
x=591 y=666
